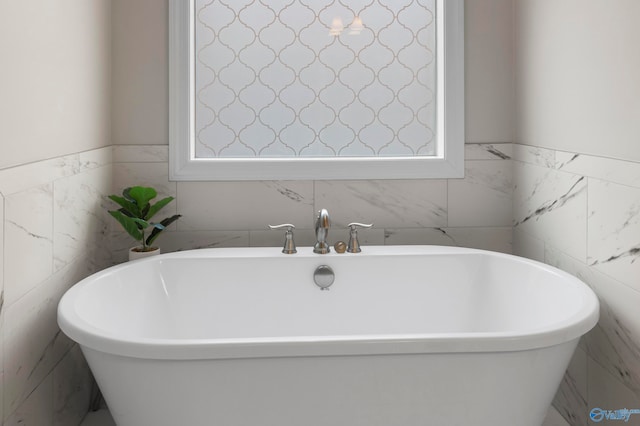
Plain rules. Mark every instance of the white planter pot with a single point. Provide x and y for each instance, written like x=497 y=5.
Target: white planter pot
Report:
x=134 y=255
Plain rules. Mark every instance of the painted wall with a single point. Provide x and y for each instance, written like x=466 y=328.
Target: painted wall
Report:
x=578 y=73
x=576 y=170
x=55 y=78
x=489 y=71
x=140 y=72
x=55 y=167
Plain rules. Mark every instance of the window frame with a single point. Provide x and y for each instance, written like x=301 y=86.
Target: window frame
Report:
x=184 y=166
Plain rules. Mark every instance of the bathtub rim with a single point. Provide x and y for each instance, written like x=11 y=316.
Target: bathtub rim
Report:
x=292 y=346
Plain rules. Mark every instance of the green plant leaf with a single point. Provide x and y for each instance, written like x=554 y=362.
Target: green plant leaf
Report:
x=157 y=206
x=125 y=194
x=129 y=224
x=142 y=195
x=142 y=224
x=126 y=205
x=156 y=231
x=126 y=212
x=145 y=211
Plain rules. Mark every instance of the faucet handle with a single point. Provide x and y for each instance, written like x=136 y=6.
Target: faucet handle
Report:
x=354 y=244
x=289 y=226
x=289 y=244
x=355 y=225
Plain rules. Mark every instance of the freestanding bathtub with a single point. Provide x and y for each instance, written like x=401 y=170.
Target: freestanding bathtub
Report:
x=406 y=336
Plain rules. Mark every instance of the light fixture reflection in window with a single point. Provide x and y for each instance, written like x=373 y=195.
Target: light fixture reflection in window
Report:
x=337 y=26
x=356 y=26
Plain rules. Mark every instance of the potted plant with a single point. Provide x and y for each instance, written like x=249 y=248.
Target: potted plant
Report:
x=135 y=215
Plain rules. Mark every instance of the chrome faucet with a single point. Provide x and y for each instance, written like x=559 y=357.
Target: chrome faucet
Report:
x=322 y=230
x=354 y=244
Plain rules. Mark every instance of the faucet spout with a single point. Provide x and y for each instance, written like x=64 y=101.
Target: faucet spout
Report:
x=322 y=230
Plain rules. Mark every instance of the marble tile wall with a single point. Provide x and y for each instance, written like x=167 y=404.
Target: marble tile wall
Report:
x=2 y=310
x=581 y=213
x=54 y=230
x=576 y=212
x=228 y=214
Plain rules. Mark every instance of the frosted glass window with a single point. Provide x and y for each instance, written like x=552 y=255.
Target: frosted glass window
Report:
x=315 y=78
x=283 y=89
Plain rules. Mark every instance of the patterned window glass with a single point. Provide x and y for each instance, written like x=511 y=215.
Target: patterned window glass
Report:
x=315 y=78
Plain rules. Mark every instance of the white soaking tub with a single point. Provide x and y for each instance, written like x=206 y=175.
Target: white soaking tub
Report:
x=406 y=336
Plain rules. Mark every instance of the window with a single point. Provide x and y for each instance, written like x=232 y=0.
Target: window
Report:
x=316 y=89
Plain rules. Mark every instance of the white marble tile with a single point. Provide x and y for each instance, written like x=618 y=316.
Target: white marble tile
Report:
x=28 y=240
x=488 y=151
x=188 y=240
x=494 y=239
x=141 y=154
x=103 y=418
x=367 y=237
x=303 y=237
x=171 y=241
x=33 y=342
x=577 y=370
x=554 y=419
x=527 y=246
x=80 y=219
x=144 y=174
x=307 y=237
x=385 y=203
x=2 y=416
x=119 y=244
x=615 y=341
x=23 y=177
x=571 y=398
x=534 y=155
x=26 y=176
x=564 y=161
x=98 y=418
x=95 y=158
x=2 y=226
x=608 y=393
x=612 y=344
x=418 y=236
x=228 y=206
x=72 y=383
x=2 y=308
x=614 y=231
x=551 y=206
x=607 y=169
x=37 y=409
x=483 y=197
